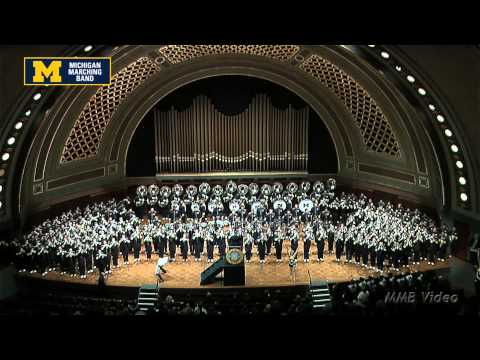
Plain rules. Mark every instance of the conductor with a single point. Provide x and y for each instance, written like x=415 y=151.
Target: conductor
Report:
x=159 y=270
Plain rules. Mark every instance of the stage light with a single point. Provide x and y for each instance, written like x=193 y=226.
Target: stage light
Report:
x=1 y=205
x=398 y=68
x=459 y=164
x=440 y=118
x=463 y=197
x=431 y=107
x=422 y=91
x=454 y=148
x=28 y=112
x=462 y=180
x=37 y=96
x=11 y=141
x=5 y=156
x=372 y=46
x=448 y=132
x=1 y=188
x=385 y=55
x=88 y=48
x=410 y=78
x=18 y=125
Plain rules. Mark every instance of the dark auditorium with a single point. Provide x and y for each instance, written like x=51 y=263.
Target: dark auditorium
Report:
x=248 y=180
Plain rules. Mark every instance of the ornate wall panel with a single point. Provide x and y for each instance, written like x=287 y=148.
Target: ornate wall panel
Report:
x=178 y=53
x=377 y=133
x=86 y=135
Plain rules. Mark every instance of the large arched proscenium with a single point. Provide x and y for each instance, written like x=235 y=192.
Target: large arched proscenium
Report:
x=414 y=174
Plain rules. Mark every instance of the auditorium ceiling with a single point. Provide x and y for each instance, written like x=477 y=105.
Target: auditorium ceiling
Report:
x=403 y=118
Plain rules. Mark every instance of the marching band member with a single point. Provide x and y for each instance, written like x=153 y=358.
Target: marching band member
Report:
x=147 y=241
x=262 y=245
x=330 y=234
x=184 y=245
x=248 y=246
x=209 y=236
x=278 y=242
x=307 y=241
x=172 y=241
x=339 y=243
x=370 y=232
x=320 y=236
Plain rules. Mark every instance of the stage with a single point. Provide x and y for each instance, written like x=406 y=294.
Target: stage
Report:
x=271 y=274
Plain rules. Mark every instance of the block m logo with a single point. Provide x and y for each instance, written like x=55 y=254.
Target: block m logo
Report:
x=51 y=71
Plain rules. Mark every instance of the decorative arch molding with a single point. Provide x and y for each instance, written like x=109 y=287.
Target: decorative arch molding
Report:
x=50 y=181
x=377 y=133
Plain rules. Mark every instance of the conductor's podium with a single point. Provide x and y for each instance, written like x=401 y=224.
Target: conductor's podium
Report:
x=233 y=267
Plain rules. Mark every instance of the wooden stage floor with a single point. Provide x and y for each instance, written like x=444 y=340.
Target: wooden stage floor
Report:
x=187 y=274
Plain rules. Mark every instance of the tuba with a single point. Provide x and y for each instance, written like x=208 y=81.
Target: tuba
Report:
x=142 y=191
x=177 y=190
x=266 y=189
x=253 y=187
x=305 y=186
x=231 y=187
x=165 y=191
x=153 y=190
x=292 y=188
x=243 y=189
x=218 y=190
x=331 y=184
x=318 y=187
x=277 y=188
x=204 y=188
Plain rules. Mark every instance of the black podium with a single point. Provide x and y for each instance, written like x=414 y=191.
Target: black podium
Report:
x=234 y=268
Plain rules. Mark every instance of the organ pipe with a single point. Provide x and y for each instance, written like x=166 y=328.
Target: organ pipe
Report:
x=202 y=139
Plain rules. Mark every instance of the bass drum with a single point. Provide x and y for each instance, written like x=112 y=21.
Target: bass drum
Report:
x=306 y=205
x=280 y=205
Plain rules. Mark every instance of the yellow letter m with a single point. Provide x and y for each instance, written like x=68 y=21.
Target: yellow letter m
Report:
x=52 y=71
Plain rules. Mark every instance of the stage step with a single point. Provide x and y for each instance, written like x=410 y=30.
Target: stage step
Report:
x=147 y=297
x=320 y=294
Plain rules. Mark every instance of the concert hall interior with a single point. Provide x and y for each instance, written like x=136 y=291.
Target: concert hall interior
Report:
x=243 y=179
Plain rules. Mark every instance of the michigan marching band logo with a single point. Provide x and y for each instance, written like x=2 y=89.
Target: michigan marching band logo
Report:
x=67 y=71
